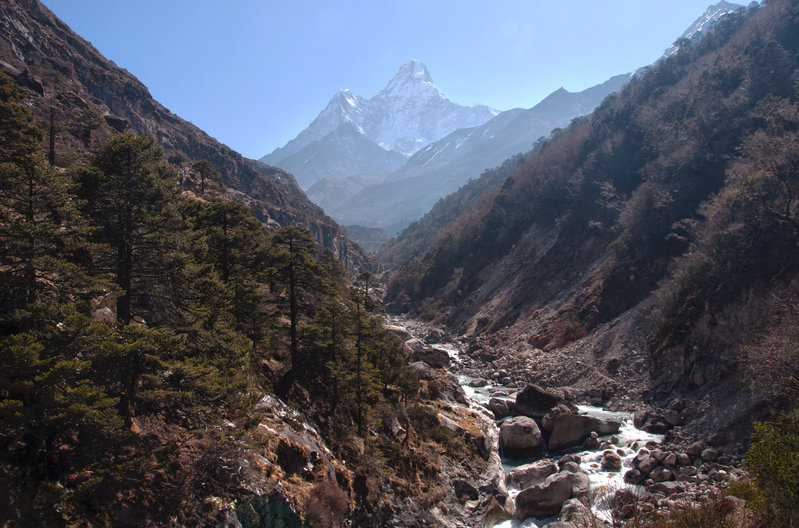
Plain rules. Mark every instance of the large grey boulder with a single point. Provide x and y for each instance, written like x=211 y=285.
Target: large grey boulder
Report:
x=545 y=499
x=423 y=370
x=535 y=402
x=434 y=357
x=530 y=474
x=519 y=436
x=570 y=430
x=498 y=406
x=399 y=331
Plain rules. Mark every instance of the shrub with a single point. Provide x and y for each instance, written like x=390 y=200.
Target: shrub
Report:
x=773 y=464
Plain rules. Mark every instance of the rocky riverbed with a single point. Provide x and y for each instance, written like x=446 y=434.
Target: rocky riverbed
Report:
x=568 y=462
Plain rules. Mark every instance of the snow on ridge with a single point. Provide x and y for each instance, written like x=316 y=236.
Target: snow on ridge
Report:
x=704 y=23
x=408 y=114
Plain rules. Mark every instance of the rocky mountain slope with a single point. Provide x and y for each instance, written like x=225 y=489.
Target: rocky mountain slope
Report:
x=649 y=250
x=89 y=95
x=442 y=167
x=406 y=115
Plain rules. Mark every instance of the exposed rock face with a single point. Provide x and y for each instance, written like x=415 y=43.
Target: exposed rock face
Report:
x=535 y=402
x=572 y=429
x=73 y=78
x=520 y=435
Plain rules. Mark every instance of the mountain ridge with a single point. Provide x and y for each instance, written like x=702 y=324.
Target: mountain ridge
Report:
x=647 y=244
x=407 y=114
x=59 y=70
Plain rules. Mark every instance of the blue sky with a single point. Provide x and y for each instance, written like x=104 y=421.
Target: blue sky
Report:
x=254 y=73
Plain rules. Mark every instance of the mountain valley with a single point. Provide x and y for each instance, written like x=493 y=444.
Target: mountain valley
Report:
x=587 y=316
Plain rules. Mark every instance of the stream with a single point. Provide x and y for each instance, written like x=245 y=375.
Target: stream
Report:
x=626 y=443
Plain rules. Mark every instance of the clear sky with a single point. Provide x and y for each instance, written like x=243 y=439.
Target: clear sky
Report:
x=254 y=73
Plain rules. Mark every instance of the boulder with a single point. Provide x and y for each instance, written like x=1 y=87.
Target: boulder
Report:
x=519 y=436
x=570 y=467
x=434 y=357
x=415 y=344
x=709 y=454
x=423 y=370
x=498 y=406
x=651 y=422
x=634 y=476
x=667 y=488
x=572 y=429
x=696 y=448
x=580 y=483
x=592 y=442
x=661 y=474
x=435 y=335
x=547 y=421
x=535 y=402
x=400 y=332
x=578 y=514
x=571 y=457
x=673 y=417
x=611 y=461
x=531 y=474
x=545 y=499
x=647 y=464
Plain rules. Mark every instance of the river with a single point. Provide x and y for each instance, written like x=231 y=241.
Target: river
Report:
x=626 y=443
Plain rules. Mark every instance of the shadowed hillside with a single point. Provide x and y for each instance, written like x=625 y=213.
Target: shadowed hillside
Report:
x=664 y=224
x=88 y=97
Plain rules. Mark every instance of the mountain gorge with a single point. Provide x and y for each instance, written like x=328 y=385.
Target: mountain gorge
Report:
x=186 y=340
x=355 y=191
x=626 y=256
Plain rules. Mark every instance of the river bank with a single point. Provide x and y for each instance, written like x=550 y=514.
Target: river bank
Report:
x=646 y=466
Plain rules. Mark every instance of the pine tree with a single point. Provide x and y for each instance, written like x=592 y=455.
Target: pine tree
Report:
x=207 y=172
x=130 y=192
x=295 y=265
x=39 y=227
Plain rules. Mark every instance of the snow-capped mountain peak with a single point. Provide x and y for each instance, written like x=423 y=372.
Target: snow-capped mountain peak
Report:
x=408 y=114
x=412 y=71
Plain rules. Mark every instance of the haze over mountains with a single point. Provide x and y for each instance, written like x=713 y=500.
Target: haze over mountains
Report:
x=170 y=360
x=384 y=162
x=409 y=113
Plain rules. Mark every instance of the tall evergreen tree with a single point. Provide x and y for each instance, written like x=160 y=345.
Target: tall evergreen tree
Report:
x=38 y=223
x=130 y=192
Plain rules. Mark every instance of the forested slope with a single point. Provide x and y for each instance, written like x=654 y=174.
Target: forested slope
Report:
x=671 y=211
x=156 y=350
x=81 y=97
